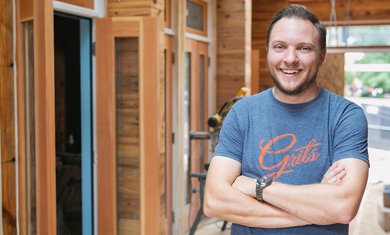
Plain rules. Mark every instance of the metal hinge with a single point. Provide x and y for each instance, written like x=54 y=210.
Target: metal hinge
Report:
x=209 y=61
x=173 y=217
x=173 y=58
x=173 y=138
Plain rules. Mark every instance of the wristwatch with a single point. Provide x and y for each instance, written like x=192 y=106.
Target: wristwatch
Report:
x=260 y=184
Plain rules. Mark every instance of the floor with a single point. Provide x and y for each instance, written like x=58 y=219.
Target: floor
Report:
x=366 y=221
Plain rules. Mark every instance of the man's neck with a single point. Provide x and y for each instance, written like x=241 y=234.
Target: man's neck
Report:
x=300 y=98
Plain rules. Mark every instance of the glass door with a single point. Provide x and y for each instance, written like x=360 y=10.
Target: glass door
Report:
x=195 y=116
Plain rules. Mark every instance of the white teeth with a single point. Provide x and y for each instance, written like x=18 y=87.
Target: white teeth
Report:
x=290 y=71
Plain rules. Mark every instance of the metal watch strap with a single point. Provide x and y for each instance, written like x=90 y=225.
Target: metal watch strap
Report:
x=260 y=184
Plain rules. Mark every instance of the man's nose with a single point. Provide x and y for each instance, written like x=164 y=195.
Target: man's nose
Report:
x=291 y=56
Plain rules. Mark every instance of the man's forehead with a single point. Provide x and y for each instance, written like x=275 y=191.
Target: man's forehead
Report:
x=287 y=27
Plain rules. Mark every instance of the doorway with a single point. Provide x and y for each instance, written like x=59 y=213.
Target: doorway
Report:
x=195 y=120
x=73 y=124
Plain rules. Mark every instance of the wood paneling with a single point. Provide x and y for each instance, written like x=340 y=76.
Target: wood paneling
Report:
x=233 y=48
x=134 y=8
x=128 y=151
x=263 y=11
x=331 y=74
x=44 y=116
x=7 y=119
x=81 y=3
x=360 y=10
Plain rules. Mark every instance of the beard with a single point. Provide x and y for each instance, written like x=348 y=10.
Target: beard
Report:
x=310 y=80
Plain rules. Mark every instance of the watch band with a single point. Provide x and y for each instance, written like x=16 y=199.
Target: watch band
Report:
x=261 y=183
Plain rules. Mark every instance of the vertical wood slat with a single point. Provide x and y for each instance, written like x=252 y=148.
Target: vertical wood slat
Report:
x=105 y=131
x=255 y=72
x=168 y=132
x=149 y=126
x=7 y=119
x=20 y=118
x=44 y=116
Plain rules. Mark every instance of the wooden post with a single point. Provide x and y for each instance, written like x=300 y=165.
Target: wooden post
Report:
x=7 y=119
x=44 y=116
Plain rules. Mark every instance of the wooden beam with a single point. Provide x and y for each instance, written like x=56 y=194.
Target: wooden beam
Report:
x=7 y=119
x=44 y=117
x=149 y=127
x=105 y=131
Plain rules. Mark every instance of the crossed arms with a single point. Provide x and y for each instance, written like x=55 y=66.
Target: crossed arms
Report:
x=231 y=196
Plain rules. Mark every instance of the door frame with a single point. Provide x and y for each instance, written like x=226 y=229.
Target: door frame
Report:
x=146 y=29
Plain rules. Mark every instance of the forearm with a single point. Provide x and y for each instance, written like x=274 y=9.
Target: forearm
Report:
x=314 y=203
x=323 y=203
x=224 y=201
x=235 y=207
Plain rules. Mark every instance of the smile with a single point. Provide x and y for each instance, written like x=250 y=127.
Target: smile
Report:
x=290 y=71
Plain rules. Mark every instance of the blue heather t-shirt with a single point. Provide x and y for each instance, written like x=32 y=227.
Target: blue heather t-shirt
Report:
x=293 y=143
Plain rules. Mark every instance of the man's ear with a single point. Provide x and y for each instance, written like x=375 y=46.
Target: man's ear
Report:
x=323 y=56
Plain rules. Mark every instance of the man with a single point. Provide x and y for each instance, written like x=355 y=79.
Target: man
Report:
x=292 y=159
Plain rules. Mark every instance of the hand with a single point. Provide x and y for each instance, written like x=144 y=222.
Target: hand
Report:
x=334 y=175
x=245 y=185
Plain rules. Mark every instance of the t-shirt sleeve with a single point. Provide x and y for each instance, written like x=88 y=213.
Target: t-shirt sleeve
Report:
x=350 y=139
x=231 y=138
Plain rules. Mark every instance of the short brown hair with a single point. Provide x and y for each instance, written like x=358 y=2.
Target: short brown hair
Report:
x=299 y=12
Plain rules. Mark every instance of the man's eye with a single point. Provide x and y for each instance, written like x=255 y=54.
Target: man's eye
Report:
x=305 y=49
x=278 y=47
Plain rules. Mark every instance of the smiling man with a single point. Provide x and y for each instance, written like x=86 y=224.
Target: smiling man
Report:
x=292 y=159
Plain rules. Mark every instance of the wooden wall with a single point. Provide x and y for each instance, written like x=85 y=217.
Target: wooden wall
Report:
x=233 y=48
x=128 y=150
x=360 y=10
x=7 y=119
x=370 y=11
x=262 y=12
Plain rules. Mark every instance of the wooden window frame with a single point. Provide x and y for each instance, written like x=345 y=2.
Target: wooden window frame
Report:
x=146 y=29
x=41 y=12
x=205 y=18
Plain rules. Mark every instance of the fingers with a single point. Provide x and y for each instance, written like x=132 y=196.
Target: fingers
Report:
x=334 y=175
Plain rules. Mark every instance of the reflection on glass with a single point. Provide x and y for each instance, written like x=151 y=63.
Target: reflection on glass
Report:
x=28 y=49
x=127 y=134
x=187 y=126
x=194 y=15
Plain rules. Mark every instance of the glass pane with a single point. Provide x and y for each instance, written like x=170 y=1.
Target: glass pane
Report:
x=187 y=126
x=358 y=36
x=127 y=134
x=28 y=48
x=201 y=110
x=194 y=15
